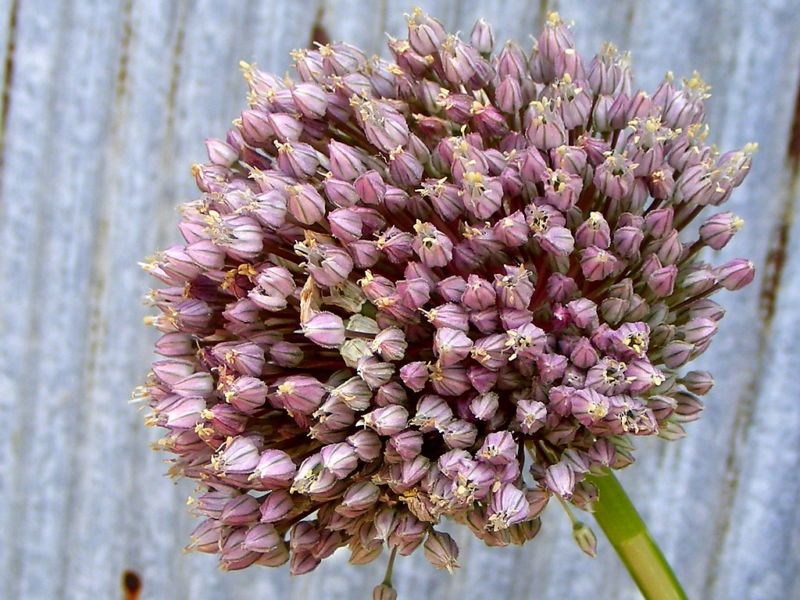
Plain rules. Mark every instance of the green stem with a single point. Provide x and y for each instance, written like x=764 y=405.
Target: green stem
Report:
x=387 y=578
x=626 y=531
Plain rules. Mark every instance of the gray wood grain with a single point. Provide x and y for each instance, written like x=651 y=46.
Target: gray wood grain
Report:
x=104 y=106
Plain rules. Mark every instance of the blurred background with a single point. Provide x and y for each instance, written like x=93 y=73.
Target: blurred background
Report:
x=104 y=107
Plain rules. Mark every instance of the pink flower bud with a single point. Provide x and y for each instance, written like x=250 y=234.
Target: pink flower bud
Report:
x=246 y=358
x=484 y=406
x=433 y=247
x=698 y=330
x=340 y=459
x=407 y=444
x=325 y=329
x=303 y=536
x=451 y=345
x=206 y=536
x=374 y=372
x=557 y=241
x=286 y=354
x=614 y=177
x=718 y=229
x=275 y=469
x=359 y=497
x=585 y=538
x=627 y=241
x=255 y=127
x=276 y=506
x=339 y=192
x=345 y=224
x=221 y=153
x=589 y=406
x=329 y=265
x=677 y=353
x=498 y=448
x=698 y=382
x=300 y=394
x=670 y=248
x=546 y=129
x=699 y=280
x=233 y=555
x=345 y=161
x=642 y=376
x=509 y=95
x=246 y=394
x=240 y=510
x=311 y=100
x=304 y=203
x=479 y=294
x=459 y=434
x=239 y=457
x=560 y=479
x=593 y=232
x=598 y=264
x=285 y=127
x=482 y=37
x=441 y=550
x=583 y=354
x=197 y=384
x=508 y=506
x=366 y=444
x=412 y=471
x=262 y=538
x=688 y=407
x=735 y=274
x=530 y=415
x=297 y=159
x=387 y=420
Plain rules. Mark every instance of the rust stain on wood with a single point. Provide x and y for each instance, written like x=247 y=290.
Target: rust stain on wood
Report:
x=177 y=55
x=124 y=55
x=319 y=35
x=793 y=149
x=131 y=585
x=8 y=77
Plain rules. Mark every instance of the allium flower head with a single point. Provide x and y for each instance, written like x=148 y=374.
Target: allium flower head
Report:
x=444 y=287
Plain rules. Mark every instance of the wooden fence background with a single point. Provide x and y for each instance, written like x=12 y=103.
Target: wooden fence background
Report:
x=104 y=106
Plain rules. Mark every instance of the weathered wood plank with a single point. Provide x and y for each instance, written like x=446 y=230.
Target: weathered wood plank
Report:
x=107 y=108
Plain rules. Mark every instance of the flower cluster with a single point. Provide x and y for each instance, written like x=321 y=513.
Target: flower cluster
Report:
x=448 y=286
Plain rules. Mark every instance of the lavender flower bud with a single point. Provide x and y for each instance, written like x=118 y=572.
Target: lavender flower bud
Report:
x=441 y=550
x=275 y=469
x=718 y=230
x=531 y=415
x=276 y=506
x=735 y=274
x=560 y=479
x=585 y=538
x=482 y=37
x=508 y=506
x=698 y=382
x=384 y=592
x=498 y=448
x=484 y=406
x=387 y=420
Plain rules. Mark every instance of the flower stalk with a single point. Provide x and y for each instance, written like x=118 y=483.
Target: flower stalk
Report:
x=628 y=534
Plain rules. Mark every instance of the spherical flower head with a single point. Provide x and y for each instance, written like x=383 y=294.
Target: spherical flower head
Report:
x=444 y=288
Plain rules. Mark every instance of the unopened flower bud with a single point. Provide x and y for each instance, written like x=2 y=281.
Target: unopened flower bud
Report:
x=441 y=550
x=585 y=538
